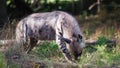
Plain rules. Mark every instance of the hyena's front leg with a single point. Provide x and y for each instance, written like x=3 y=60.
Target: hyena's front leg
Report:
x=59 y=39
x=62 y=46
x=32 y=44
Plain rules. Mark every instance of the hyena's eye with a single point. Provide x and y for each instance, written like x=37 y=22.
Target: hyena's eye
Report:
x=79 y=38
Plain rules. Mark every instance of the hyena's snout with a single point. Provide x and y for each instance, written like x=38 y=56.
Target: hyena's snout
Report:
x=77 y=51
x=77 y=54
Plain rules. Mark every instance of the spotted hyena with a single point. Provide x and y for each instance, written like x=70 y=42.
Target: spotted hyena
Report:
x=56 y=25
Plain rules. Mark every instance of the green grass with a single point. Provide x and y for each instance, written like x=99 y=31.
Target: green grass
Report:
x=93 y=56
x=48 y=50
x=8 y=56
x=100 y=55
x=3 y=63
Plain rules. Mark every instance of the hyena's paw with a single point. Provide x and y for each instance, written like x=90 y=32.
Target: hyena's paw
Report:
x=72 y=62
x=69 y=58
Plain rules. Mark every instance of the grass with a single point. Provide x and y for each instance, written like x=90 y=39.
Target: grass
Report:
x=3 y=63
x=14 y=51
x=98 y=56
x=48 y=50
x=93 y=56
x=102 y=57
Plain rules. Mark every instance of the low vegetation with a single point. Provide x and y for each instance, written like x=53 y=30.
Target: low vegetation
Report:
x=100 y=55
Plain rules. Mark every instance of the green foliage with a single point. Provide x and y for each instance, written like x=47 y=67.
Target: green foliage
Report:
x=84 y=14
x=102 y=40
x=48 y=49
x=93 y=56
x=8 y=2
x=99 y=55
x=3 y=63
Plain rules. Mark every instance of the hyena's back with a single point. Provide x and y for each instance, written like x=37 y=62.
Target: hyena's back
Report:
x=36 y=25
x=42 y=26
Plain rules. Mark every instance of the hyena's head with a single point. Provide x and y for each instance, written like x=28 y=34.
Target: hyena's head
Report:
x=76 y=45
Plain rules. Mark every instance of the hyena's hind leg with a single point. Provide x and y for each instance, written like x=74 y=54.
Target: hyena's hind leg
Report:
x=32 y=44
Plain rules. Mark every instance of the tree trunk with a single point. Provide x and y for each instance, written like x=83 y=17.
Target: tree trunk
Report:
x=98 y=10
x=3 y=12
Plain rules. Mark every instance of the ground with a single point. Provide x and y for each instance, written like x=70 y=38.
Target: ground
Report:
x=102 y=51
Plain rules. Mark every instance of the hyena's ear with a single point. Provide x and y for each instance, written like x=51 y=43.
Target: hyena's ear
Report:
x=67 y=40
x=80 y=36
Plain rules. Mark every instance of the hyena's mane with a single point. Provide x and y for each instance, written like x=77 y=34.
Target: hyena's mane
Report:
x=69 y=24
